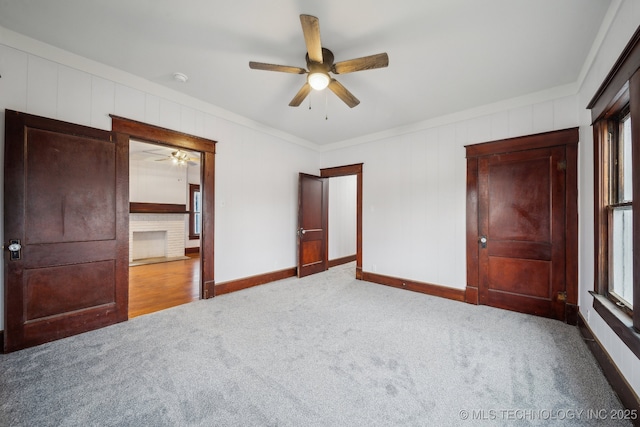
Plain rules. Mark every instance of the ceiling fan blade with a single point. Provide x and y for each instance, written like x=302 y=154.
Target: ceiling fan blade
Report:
x=371 y=62
x=311 y=31
x=342 y=92
x=301 y=95
x=273 y=67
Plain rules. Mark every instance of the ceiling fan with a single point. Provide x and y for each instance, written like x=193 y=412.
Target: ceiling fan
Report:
x=181 y=158
x=320 y=64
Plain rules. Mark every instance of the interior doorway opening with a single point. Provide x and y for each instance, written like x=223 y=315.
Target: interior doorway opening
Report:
x=164 y=227
x=354 y=170
x=144 y=132
x=342 y=236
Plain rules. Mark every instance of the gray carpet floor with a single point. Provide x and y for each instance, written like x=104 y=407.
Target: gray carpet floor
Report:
x=326 y=350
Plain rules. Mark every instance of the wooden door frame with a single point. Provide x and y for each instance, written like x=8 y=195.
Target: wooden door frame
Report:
x=355 y=169
x=568 y=138
x=167 y=137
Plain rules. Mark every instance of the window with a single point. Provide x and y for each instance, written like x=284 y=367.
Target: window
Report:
x=615 y=111
x=619 y=207
x=195 y=211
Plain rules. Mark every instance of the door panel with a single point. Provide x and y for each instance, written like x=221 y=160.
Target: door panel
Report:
x=66 y=200
x=505 y=275
x=49 y=291
x=68 y=181
x=312 y=224
x=519 y=199
x=521 y=211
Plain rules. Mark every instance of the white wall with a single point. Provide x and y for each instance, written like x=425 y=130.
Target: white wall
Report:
x=624 y=25
x=256 y=170
x=158 y=182
x=342 y=216
x=414 y=189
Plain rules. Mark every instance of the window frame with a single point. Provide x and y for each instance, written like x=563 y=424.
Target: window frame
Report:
x=611 y=172
x=619 y=90
x=193 y=188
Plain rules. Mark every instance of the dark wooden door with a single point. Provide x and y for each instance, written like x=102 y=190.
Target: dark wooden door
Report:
x=312 y=224
x=521 y=214
x=66 y=202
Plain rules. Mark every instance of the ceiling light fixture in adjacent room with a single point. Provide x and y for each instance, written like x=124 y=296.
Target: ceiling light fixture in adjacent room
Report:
x=179 y=157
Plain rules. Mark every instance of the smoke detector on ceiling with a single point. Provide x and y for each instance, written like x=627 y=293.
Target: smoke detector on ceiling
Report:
x=180 y=77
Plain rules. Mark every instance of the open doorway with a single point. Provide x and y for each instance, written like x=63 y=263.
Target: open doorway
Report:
x=164 y=227
x=342 y=220
x=134 y=130
x=355 y=172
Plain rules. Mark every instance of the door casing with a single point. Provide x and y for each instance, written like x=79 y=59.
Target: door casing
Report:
x=354 y=169
x=567 y=138
x=161 y=136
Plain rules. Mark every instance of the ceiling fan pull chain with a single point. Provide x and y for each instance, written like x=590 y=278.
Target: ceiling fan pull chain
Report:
x=326 y=106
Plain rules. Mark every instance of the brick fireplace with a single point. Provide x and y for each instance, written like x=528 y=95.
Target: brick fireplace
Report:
x=154 y=235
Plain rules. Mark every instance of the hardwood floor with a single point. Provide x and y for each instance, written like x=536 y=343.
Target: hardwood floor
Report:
x=154 y=287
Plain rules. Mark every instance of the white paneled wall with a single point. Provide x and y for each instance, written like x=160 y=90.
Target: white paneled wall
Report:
x=157 y=182
x=256 y=172
x=102 y=101
x=414 y=189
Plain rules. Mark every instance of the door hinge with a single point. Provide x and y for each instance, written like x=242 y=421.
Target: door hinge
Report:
x=562 y=165
x=562 y=296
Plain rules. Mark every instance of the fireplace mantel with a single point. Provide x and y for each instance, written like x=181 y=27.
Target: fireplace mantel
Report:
x=157 y=208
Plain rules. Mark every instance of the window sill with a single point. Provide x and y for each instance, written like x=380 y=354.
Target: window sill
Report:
x=618 y=321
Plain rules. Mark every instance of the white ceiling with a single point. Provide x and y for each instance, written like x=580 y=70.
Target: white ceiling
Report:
x=445 y=56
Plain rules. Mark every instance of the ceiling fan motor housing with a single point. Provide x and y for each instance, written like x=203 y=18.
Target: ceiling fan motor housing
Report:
x=325 y=66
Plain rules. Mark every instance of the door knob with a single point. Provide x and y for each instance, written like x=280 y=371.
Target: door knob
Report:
x=14 y=247
x=483 y=241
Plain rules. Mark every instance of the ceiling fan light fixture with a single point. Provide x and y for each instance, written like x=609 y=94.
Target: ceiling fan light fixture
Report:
x=179 y=157
x=318 y=80
x=320 y=62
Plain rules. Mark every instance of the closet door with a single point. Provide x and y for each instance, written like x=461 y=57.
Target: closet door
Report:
x=522 y=224
x=521 y=212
